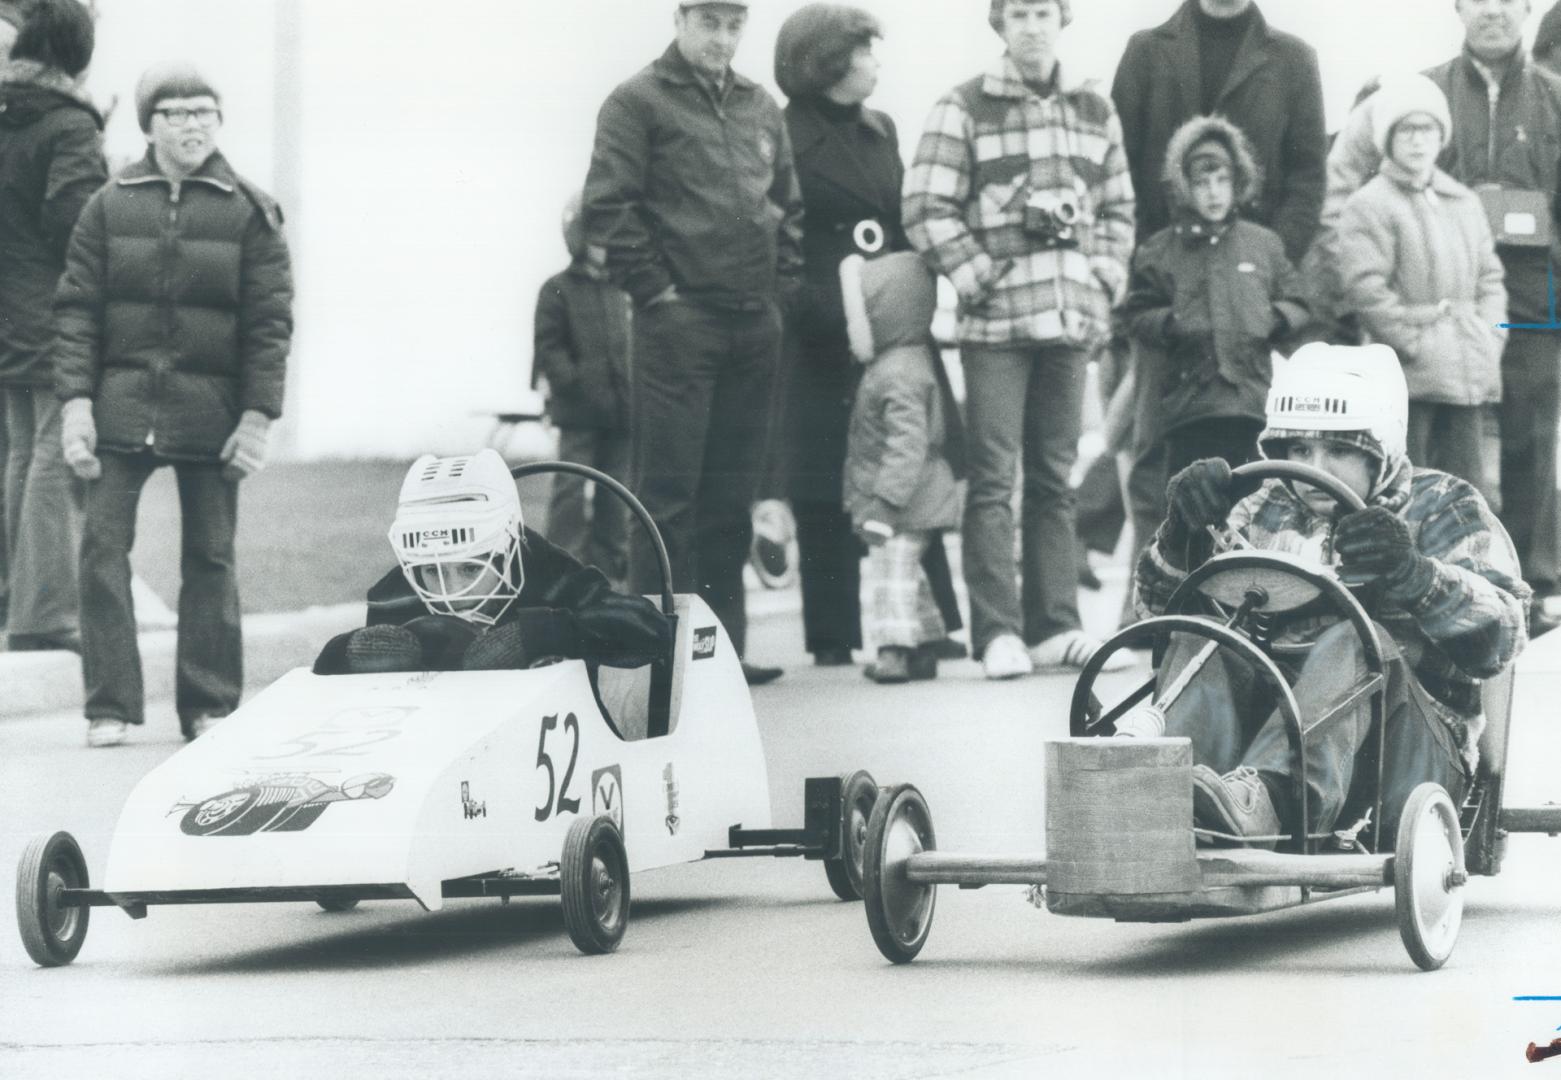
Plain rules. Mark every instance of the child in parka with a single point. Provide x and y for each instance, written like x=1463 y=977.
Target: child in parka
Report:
x=1208 y=298
x=899 y=487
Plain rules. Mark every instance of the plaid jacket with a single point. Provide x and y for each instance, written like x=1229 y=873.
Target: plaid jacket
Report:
x=1467 y=625
x=988 y=146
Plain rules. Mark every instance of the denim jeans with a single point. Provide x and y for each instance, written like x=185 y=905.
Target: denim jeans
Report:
x=1229 y=715
x=703 y=379
x=1464 y=440
x=210 y=653
x=595 y=531
x=43 y=502
x=1025 y=405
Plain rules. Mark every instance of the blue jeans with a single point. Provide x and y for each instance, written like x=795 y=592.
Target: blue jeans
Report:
x=1025 y=405
x=43 y=501
x=210 y=654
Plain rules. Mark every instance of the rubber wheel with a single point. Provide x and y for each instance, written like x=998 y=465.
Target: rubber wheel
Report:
x=594 y=884
x=1428 y=876
x=337 y=906
x=51 y=932
x=858 y=793
x=899 y=913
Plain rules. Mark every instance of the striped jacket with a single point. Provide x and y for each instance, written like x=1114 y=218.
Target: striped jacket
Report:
x=1468 y=625
x=989 y=145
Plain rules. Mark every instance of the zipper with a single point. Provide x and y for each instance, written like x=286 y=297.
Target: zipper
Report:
x=157 y=372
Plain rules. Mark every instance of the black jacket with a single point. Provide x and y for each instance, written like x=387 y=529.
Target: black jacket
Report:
x=849 y=168
x=689 y=191
x=581 y=335
x=564 y=609
x=51 y=161
x=175 y=311
x=1273 y=94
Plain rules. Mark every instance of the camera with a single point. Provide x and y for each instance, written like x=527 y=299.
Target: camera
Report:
x=1050 y=216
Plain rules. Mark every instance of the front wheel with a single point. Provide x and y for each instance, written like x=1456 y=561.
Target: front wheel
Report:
x=1428 y=876
x=858 y=793
x=594 y=884
x=899 y=911
x=52 y=931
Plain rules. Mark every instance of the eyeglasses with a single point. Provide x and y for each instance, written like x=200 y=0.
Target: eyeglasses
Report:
x=179 y=117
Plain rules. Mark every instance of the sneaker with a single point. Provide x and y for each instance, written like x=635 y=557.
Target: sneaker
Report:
x=893 y=665
x=1236 y=803
x=106 y=731
x=1071 y=650
x=1005 y=658
x=1144 y=722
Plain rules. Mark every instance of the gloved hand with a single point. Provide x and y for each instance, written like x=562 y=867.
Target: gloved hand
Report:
x=444 y=640
x=372 y=649
x=1374 y=544
x=245 y=451
x=1198 y=496
x=527 y=637
x=79 y=438
x=879 y=522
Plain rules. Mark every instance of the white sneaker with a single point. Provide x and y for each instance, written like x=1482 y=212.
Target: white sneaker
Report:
x=1005 y=658
x=1071 y=650
x=106 y=731
x=1144 y=722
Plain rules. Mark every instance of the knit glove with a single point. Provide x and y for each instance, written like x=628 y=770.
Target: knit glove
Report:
x=1199 y=496
x=245 y=451
x=1374 y=544
x=79 y=438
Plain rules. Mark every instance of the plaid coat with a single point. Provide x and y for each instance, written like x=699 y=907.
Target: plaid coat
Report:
x=1464 y=625
x=990 y=144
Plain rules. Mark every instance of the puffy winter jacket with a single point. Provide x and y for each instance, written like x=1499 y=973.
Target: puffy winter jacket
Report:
x=51 y=161
x=1420 y=268
x=581 y=336
x=175 y=311
x=897 y=469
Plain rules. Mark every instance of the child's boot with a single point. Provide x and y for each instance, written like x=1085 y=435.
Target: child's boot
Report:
x=924 y=661
x=893 y=666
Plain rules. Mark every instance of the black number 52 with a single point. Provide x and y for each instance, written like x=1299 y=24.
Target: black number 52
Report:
x=544 y=761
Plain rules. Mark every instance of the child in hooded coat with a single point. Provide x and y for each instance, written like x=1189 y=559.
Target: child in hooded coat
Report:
x=900 y=486
x=1208 y=298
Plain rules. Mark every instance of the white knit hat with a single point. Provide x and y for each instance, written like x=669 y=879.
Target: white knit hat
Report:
x=1404 y=95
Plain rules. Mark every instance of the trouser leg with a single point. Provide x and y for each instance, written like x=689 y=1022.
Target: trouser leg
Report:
x=1146 y=480
x=110 y=657
x=1053 y=417
x=1464 y=440
x=1531 y=398
x=609 y=543
x=995 y=385
x=1100 y=513
x=48 y=536
x=1219 y=707
x=567 y=523
x=895 y=587
x=209 y=666
x=940 y=579
x=5 y=576
x=829 y=562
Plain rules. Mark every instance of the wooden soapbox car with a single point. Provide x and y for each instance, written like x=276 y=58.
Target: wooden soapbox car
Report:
x=434 y=785
x=1119 y=824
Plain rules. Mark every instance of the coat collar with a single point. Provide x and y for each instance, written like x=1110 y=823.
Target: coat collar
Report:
x=215 y=171
x=671 y=67
x=1002 y=80
x=1440 y=183
x=807 y=126
x=1475 y=70
x=1182 y=30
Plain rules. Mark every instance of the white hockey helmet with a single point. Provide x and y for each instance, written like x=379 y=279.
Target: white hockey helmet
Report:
x=1355 y=392
x=457 y=535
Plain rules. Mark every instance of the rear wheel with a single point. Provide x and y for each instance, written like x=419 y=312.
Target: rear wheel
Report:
x=1428 y=876
x=857 y=795
x=899 y=911
x=52 y=931
x=594 y=884
x=336 y=906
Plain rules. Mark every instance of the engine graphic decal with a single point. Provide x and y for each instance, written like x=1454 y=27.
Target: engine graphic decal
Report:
x=281 y=802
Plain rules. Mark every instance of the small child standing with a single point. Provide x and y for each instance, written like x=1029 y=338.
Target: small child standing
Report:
x=1208 y=298
x=1418 y=264
x=900 y=488
x=581 y=336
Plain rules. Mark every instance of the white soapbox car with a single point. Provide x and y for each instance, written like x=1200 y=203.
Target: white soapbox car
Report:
x=434 y=785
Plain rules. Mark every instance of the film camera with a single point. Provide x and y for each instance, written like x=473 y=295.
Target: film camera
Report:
x=1051 y=217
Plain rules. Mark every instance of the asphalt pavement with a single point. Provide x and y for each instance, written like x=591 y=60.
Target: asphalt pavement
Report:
x=750 y=968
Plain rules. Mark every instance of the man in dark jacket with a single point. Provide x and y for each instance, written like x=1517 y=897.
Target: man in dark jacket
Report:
x=693 y=196
x=10 y=23
x=51 y=161
x=581 y=334
x=174 y=319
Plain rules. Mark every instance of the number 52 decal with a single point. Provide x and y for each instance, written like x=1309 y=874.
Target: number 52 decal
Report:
x=544 y=761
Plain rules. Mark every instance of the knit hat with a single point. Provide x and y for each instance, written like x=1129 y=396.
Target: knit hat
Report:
x=995 y=16
x=813 y=49
x=1405 y=95
x=170 y=79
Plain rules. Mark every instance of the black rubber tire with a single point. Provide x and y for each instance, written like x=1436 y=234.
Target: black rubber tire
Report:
x=51 y=934
x=337 y=906
x=899 y=914
x=1421 y=876
x=594 y=884
x=858 y=794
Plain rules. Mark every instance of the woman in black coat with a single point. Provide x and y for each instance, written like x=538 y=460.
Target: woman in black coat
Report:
x=848 y=163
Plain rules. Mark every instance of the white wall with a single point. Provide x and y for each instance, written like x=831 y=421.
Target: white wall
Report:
x=434 y=145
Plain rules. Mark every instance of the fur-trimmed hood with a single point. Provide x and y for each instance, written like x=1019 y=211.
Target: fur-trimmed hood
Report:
x=29 y=89
x=889 y=302
x=1249 y=175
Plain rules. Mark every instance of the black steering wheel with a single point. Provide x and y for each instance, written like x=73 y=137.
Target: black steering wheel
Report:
x=1249 y=477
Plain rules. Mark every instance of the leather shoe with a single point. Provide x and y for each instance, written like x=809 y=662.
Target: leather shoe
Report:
x=950 y=648
x=67 y=642
x=1540 y=621
x=1237 y=803
x=758 y=675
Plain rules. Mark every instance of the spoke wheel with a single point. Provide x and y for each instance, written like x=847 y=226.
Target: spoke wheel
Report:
x=858 y=794
x=594 y=884
x=52 y=931
x=1428 y=876
x=899 y=911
